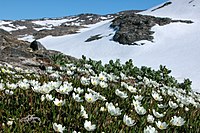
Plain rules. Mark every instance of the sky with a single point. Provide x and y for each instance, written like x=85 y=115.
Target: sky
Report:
x=30 y=9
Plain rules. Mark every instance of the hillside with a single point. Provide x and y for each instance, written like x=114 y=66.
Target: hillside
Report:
x=125 y=72
x=174 y=45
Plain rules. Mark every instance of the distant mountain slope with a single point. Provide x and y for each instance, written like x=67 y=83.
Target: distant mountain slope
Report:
x=29 y=30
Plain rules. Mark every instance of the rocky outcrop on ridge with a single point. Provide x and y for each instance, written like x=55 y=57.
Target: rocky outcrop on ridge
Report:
x=131 y=28
x=40 y=28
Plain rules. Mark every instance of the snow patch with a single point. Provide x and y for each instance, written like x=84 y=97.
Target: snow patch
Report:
x=50 y=23
x=175 y=45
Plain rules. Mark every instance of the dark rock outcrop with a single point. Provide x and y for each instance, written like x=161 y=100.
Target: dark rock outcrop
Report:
x=131 y=28
x=135 y=27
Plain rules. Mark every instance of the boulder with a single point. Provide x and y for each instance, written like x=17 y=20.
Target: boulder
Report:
x=35 y=45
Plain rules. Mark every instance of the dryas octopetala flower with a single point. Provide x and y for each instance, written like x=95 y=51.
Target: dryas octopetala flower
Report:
x=161 y=125
x=24 y=84
x=9 y=92
x=161 y=106
x=2 y=87
x=58 y=127
x=76 y=97
x=78 y=90
x=157 y=115
x=121 y=94
x=102 y=76
x=173 y=105
x=85 y=81
x=94 y=81
x=103 y=84
x=177 y=121
x=136 y=103
x=83 y=112
x=49 y=97
x=59 y=102
x=66 y=88
x=138 y=97
x=113 y=110
x=88 y=126
x=90 y=98
x=150 y=129
x=140 y=110
x=156 y=96
x=9 y=123
x=42 y=98
x=132 y=89
x=128 y=121
x=150 y=118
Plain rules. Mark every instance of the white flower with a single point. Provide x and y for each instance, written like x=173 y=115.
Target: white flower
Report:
x=132 y=89
x=150 y=129
x=161 y=125
x=102 y=77
x=66 y=88
x=49 y=97
x=177 y=121
x=121 y=94
x=113 y=110
x=156 y=96
x=88 y=126
x=83 y=113
x=140 y=110
x=90 y=98
x=59 y=102
x=150 y=118
x=1 y=87
x=77 y=98
x=128 y=121
x=85 y=81
x=9 y=123
x=8 y=92
x=161 y=106
x=94 y=81
x=186 y=109
x=173 y=105
x=42 y=98
x=123 y=76
x=58 y=127
x=157 y=115
x=76 y=132
x=96 y=94
x=11 y=86
x=102 y=109
x=136 y=103
x=24 y=84
x=103 y=84
x=70 y=73
x=78 y=90
x=138 y=97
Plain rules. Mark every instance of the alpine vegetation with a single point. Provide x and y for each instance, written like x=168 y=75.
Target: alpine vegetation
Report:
x=86 y=96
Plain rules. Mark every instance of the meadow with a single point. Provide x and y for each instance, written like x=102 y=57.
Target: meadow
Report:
x=86 y=96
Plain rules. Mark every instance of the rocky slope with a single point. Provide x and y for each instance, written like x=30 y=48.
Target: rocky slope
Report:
x=29 y=30
x=24 y=54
